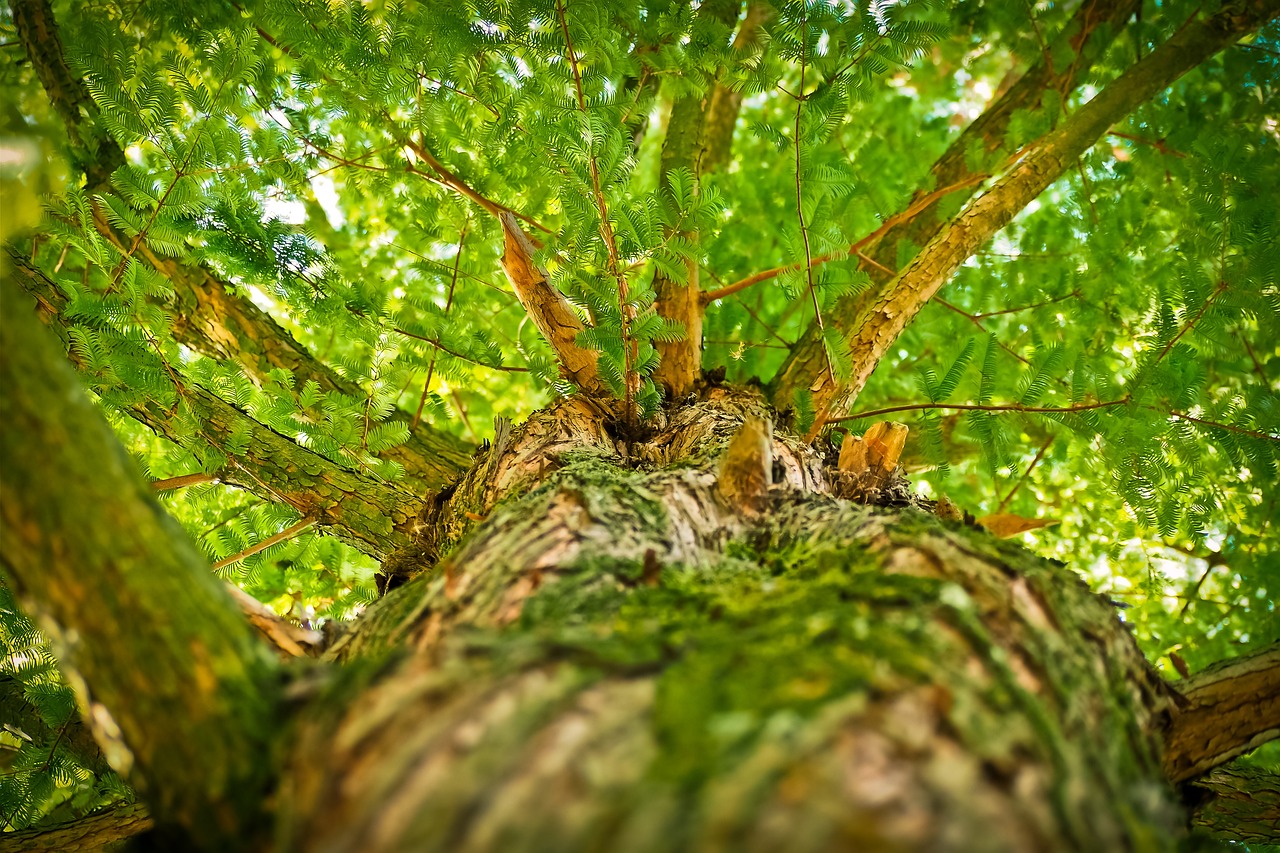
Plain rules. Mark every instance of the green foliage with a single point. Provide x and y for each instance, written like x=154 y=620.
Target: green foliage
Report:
x=280 y=145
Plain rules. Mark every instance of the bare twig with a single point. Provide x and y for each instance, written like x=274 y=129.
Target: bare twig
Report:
x=1025 y=474
x=976 y=407
x=626 y=310
x=841 y=254
x=287 y=533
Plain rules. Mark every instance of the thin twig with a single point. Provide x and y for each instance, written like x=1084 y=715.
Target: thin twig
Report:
x=1190 y=324
x=448 y=303
x=841 y=254
x=982 y=316
x=1025 y=475
x=1215 y=425
x=975 y=407
x=626 y=311
x=804 y=229
x=287 y=533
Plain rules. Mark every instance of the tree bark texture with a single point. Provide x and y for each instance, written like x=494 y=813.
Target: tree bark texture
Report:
x=621 y=656
x=100 y=832
x=676 y=640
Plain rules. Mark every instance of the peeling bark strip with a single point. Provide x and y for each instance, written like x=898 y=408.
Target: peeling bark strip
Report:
x=374 y=515
x=1085 y=36
x=1044 y=161
x=1237 y=803
x=548 y=308
x=208 y=316
x=147 y=636
x=1227 y=711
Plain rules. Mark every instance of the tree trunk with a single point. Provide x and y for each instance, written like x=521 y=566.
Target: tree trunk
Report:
x=620 y=656
x=684 y=639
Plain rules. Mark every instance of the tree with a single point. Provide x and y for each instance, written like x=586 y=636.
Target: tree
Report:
x=681 y=595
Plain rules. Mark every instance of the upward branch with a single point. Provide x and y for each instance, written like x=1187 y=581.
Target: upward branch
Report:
x=880 y=323
x=86 y=547
x=699 y=135
x=549 y=309
x=1084 y=36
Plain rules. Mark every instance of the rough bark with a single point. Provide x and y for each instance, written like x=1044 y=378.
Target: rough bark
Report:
x=372 y=514
x=549 y=309
x=622 y=655
x=1089 y=32
x=881 y=322
x=176 y=688
x=1224 y=712
x=102 y=831
x=1237 y=803
x=210 y=317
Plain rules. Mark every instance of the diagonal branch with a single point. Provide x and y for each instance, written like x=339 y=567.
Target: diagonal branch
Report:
x=87 y=549
x=373 y=515
x=1088 y=32
x=1226 y=711
x=1041 y=163
x=549 y=309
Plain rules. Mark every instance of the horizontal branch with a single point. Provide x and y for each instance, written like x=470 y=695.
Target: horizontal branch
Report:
x=103 y=830
x=1237 y=803
x=1252 y=433
x=1226 y=711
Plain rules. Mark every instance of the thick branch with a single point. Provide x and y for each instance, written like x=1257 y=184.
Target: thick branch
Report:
x=1229 y=709
x=100 y=831
x=548 y=308
x=1040 y=165
x=208 y=316
x=1083 y=38
x=154 y=646
x=1237 y=803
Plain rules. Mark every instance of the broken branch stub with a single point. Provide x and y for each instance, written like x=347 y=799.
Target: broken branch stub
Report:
x=868 y=462
x=548 y=308
x=746 y=471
